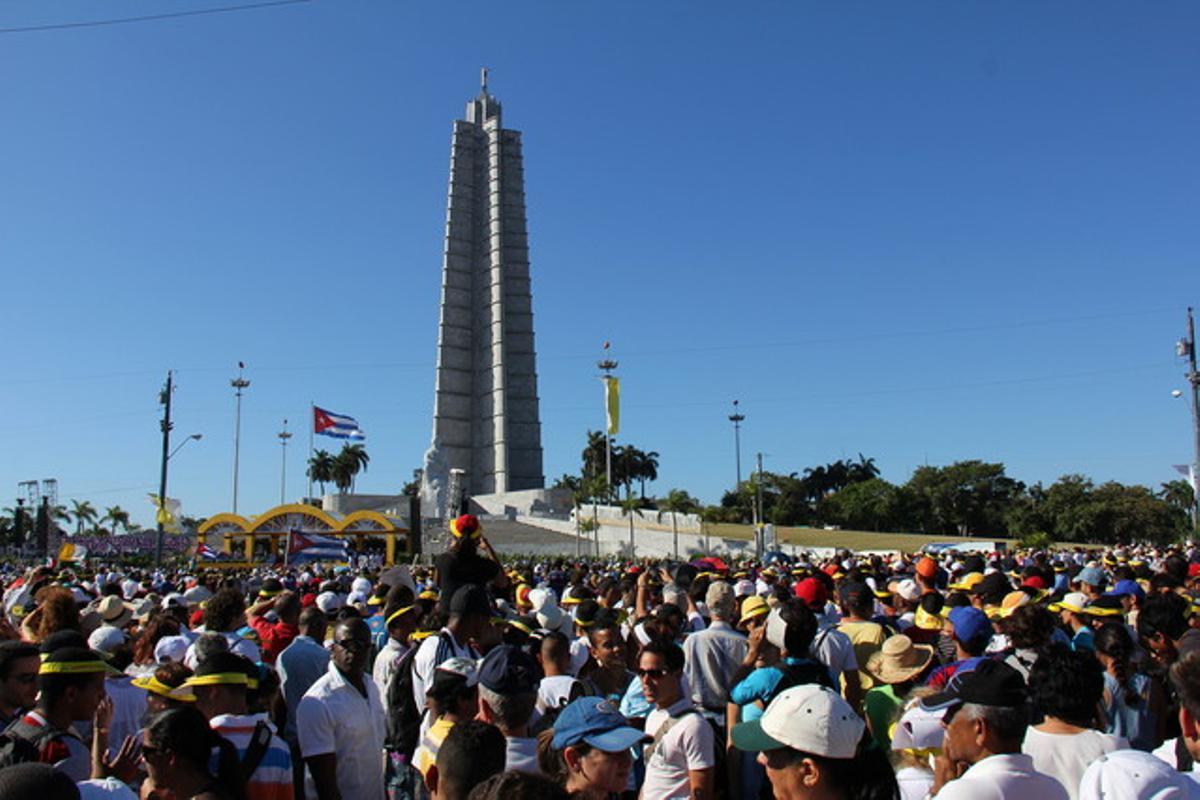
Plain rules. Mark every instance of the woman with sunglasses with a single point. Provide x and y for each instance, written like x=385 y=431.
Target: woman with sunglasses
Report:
x=176 y=747
x=587 y=750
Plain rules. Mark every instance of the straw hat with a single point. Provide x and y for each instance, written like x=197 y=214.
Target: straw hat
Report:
x=899 y=660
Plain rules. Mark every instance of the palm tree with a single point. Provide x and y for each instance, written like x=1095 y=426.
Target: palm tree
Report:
x=646 y=466
x=629 y=507
x=356 y=454
x=677 y=502
x=59 y=514
x=320 y=468
x=347 y=464
x=118 y=517
x=84 y=513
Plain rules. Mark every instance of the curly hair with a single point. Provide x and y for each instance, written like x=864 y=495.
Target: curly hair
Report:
x=1067 y=685
x=1030 y=627
x=60 y=612
x=224 y=611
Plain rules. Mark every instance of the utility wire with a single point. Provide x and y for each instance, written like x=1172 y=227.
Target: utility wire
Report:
x=151 y=17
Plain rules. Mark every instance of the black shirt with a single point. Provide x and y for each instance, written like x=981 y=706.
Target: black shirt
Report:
x=455 y=571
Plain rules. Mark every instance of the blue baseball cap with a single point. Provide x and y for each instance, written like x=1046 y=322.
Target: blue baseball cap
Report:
x=1129 y=587
x=970 y=624
x=1092 y=576
x=597 y=722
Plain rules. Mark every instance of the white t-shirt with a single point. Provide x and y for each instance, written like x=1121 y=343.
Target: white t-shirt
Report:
x=687 y=746
x=580 y=653
x=432 y=653
x=554 y=691
x=521 y=755
x=1066 y=756
x=914 y=782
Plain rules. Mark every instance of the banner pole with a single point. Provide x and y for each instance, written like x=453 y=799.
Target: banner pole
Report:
x=312 y=413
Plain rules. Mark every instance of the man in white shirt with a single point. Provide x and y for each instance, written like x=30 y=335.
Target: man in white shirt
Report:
x=341 y=721
x=470 y=613
x=508 y=684
x=681 y=758
x=985 y=713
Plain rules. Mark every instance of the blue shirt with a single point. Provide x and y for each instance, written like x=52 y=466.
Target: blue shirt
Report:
x=300 y=665
x=1083 y=640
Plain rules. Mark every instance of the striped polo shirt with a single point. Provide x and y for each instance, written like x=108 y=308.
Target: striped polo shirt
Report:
x=272 y=779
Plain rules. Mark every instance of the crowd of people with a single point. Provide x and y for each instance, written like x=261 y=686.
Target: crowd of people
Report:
x=1030 y=675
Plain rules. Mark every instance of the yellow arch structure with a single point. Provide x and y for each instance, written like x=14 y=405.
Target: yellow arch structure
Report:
x=274 y=525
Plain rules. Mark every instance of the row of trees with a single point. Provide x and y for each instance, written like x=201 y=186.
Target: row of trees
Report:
x=973 y=498
x=341 y=470
x=966 y=498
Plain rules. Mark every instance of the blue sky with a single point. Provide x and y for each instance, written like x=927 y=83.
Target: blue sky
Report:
x=922 y=231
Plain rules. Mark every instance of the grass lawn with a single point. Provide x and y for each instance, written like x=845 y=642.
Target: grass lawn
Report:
x=852 y=540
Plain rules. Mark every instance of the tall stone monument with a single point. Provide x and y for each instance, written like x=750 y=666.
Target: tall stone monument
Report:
x=485 y=416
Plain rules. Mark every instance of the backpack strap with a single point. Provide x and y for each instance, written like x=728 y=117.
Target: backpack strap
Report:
x=260 y=740
x=664 y=729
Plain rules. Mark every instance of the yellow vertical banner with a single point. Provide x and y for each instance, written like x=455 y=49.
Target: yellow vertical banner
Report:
x=612 y=402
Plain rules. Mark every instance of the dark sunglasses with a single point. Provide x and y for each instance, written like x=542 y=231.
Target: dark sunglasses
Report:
x=151 y=750
x=652 y=673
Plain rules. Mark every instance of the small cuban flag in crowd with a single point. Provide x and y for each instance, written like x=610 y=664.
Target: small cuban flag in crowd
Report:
x=206 y=553
x=339 y=426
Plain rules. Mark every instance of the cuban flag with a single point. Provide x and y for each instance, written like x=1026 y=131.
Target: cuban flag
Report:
x=206 y=553
x=314 y=547
x=339 y=426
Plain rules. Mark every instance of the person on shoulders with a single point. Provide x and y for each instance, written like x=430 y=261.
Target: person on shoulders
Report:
x=985 y=713
x=462 y=564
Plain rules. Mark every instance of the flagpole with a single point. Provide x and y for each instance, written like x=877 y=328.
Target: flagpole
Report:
x=311 y=447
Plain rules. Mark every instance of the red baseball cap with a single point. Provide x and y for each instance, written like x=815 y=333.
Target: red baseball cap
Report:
x=1193 y=570
x=811 y=591
x=1034 y=582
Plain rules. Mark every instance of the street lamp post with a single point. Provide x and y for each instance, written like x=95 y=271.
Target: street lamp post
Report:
x=736 y=418
x=283 y=442
x=239 y=384
x=162 y=486
x=165 y=426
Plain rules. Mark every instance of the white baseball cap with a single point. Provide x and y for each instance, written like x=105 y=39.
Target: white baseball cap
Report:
x=329 y=602
x=907 y=589
x=918 y=729
x=1134 y=775
x=811 y=719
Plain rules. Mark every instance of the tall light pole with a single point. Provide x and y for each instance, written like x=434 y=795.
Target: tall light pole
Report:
x=283 y=440
x=607 y=365
x=1187 y=349
x=162 y=486
x=239 y=384
x=736 y=418
x=165 y=426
